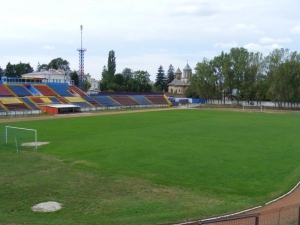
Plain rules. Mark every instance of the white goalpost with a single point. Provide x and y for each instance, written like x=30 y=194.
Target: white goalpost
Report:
x=253 y=107
x=20 y=128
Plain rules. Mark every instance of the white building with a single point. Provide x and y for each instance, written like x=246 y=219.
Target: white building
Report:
x=51 y=75
x=61 y=76
x=94 y=84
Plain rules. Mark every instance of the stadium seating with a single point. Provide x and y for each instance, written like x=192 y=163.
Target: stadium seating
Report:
x=125 y=100
x=106 y=101
x=37 y=100
x=157 y=100
x=92 y=101
x=30 y=103
x=4 y=92
x=17 y=107
x=60 y=88
x=2 y=109
x=82 y=104
x=54 y=100
x=78 y=101
x=61 y=99
x=31 y=96
x=13 y=104
x=141 y=99
x=74 y=99
x=76 y=91
x=45 y=90
x=19 y=89
x=10 y=100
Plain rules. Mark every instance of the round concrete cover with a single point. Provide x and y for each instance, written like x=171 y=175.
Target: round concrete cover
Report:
x=46 y=207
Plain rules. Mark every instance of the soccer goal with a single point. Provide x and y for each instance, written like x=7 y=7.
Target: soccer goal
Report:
x=258 y=108
x=19 y=136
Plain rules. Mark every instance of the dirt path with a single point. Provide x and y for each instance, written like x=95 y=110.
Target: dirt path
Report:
x=74 y=115
x=291 y=199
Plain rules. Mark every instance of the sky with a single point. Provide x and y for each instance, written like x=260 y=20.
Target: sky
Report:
x=143 y=34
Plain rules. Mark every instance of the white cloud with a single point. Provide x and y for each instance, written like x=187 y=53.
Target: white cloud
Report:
x=213 y=30
x=261 y=48
x=267 y=40
x=189 y=8
x=38 y=31
x=226 y=45
x=48 y=47
x=295 y=30
x=242 y=27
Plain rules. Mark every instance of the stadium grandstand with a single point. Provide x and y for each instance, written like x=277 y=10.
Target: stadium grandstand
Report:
x=38 y=95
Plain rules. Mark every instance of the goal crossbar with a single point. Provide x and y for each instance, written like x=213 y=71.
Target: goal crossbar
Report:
x=20 y=128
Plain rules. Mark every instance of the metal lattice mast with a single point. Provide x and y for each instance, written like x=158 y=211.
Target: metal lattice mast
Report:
x=81 y=62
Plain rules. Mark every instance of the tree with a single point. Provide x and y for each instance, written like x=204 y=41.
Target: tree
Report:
x=161 y=80
x=170 y=74
x=204 y=80
x=108 y=73
x=128 y=76
x=74 y=77
x=111 y=65
x=217 y=64
x=283 y=76
x=1 y=72
x=119 y=81
x=104 y=81
x=275 y=79
x=42 y=67
x=141 y=81
x=228 y=75
x=252 y=74
x=127 y=73
x=16 y=70
x=239 y=58
x=104 y=73
x=59 y=64
x=86 y=85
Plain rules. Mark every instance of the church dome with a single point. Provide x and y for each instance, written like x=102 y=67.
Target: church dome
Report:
x=187 y=67
x=178 y=70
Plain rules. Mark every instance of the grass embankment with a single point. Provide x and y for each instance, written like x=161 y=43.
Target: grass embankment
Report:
x=150 y=168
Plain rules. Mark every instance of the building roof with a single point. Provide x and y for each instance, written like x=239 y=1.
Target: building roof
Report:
x=187 y=67
x=177 y=82
x=43 y=73
x=62 y=106
x=178 y=70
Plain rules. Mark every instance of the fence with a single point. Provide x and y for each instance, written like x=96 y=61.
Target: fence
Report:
x=256 y=103
x=86 y=109
x=289 y=215
x=29 y=113
x=20 y=113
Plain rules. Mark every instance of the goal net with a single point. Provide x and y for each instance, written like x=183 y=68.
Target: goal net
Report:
x=258 y=108
x=20 y=138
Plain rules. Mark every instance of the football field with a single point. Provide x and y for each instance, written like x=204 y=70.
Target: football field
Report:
x=149 y=167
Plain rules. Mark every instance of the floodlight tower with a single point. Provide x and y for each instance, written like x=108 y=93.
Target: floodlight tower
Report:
x=81 y=62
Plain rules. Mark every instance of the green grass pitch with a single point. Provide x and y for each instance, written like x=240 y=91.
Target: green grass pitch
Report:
x=149 y=168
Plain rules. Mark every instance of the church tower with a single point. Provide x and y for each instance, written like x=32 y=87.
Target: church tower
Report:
x=187 y=72
x=181 y=81
x=178 y=74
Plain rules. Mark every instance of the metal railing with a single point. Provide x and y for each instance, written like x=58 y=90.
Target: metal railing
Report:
x=289 y=215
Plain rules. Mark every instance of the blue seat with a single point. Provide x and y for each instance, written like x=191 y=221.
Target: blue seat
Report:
x=82 y=104
x=60 y=88
x=141 y=99
x=28 y=102
x=19 y=90
x=106 y=101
